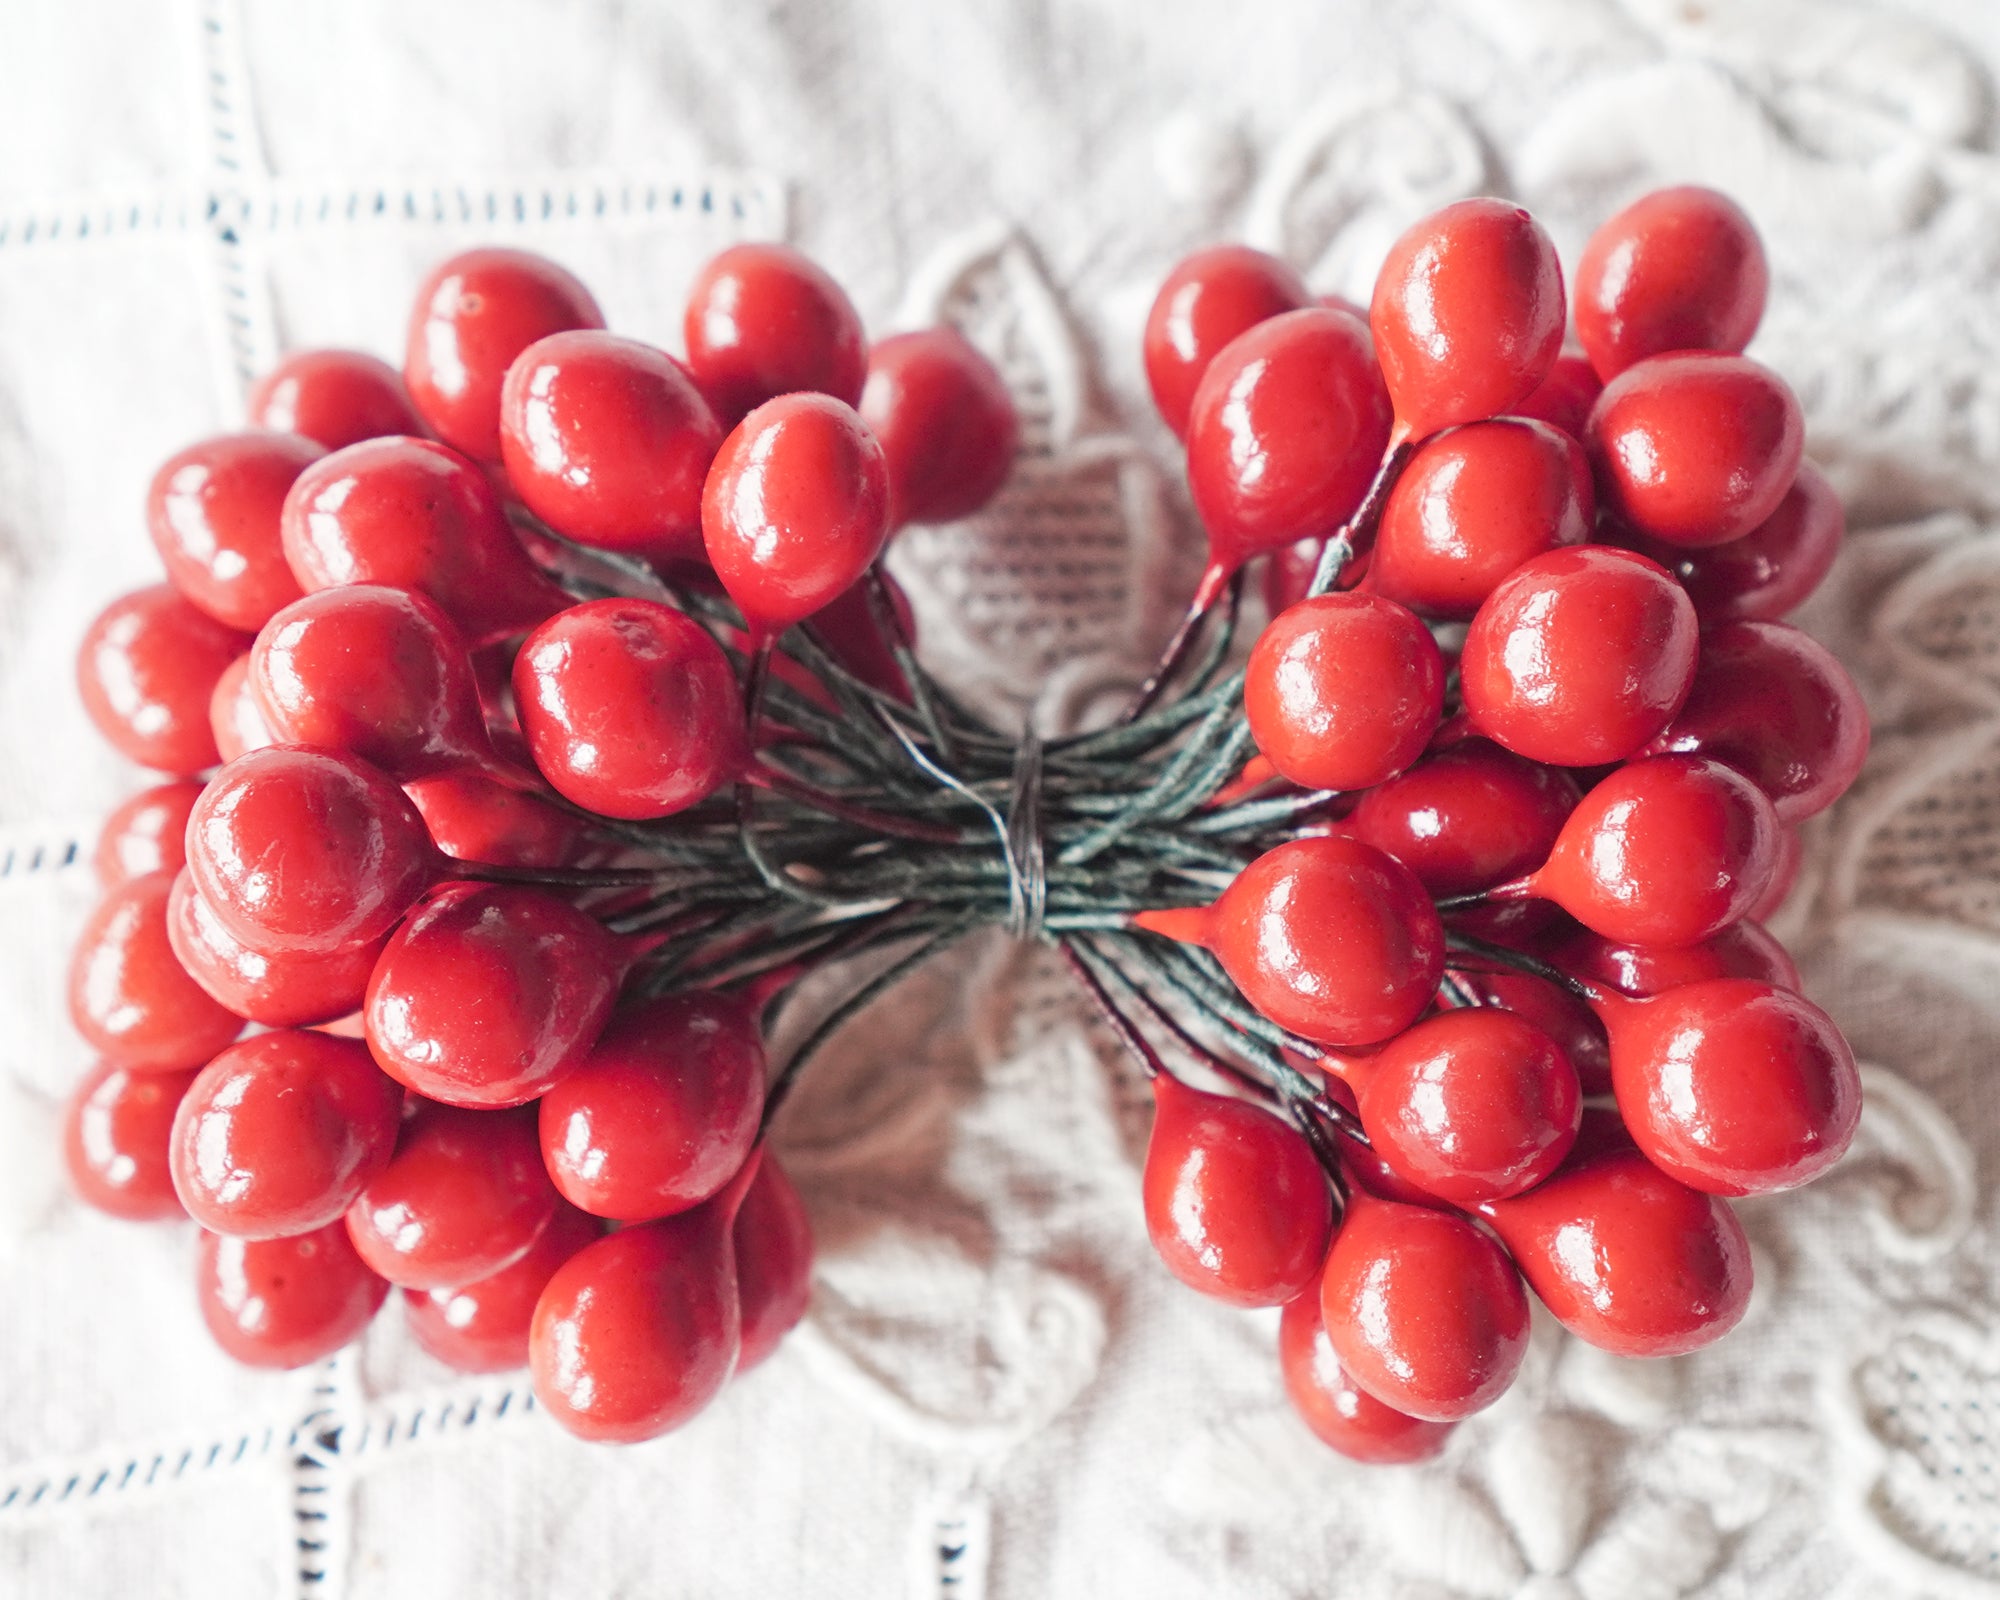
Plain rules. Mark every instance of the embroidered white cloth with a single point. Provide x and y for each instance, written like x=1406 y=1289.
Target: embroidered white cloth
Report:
x=997 y=1392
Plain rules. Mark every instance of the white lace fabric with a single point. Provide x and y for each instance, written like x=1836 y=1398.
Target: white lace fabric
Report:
x=997 y=1392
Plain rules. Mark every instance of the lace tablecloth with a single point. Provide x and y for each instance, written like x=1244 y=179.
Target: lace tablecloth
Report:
x=997 y=1392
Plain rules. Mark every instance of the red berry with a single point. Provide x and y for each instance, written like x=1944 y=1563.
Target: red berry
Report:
x=1565 y=396
x=213 y=513
x=1287 y=428
x=306 y=852
x=945 y=421
x=1628 y=1259
x=116 y=1127
x=1784 y=876
x=774 y=1256
x=1667 y=851
x=1580 y=657
x=1695 y=449
x=1559 y=1014
x=661 y=1113
x=1289 y=572
x=1768 y=571
x=1208 y=300
x=1473 y=505
x=372 y=672
x=1743 y=950
x=629 y=708
x=410 y=514
x=280 y=1132
x=1467 y=315
x=128 y=995
x=639 y=1331
x=1339 y=1412
x=333 y=397
x=1467 y=818
x=1236 y=1203
x=1326 y=936
x=147 y=833
x=1344 y=691
x=482 y=1326
x=796 y=508
x=463 y=1196
x=1733 y=1086
x=1678 y=269
x=1423 y=1311
x=234 y=714
x=285 y=1302
x=280 y=991
x=846 y=627
x=473 y=818
x=1471 y=1105
x=1776 y=705
x=473 y=316
x=607 y=440
x=488 y=994
x=147 y=669
x=764 y=321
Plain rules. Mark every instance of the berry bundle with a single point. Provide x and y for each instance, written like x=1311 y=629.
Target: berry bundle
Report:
x=566 y=719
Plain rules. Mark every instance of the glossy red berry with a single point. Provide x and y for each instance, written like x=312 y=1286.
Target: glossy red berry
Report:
x=1340 y=1413
x=1474 y=504
x=1667 y=851
x=1288 y=574
x=629 y=708
x=1207 y=300
x=475 y=818
x=946 y=424
x=285 y=1302
x=1287 y=428
x=1564 y=398
x=1326 y=936
x=280 y=1132
x=147 y=670
x=663 y=1110
x=463 y=1196
x=130 y=997
x=1423 y=1311
x=1580 y=657
x=1236 y=1203
x=1775 y=704
x=147 y=833
x=1695 y=449
x=1772 y=568
x=410 y=514
x=288 y=990
x=1467 y=315
x=490 y=993
x=1627 y=1258
x=638 y=1332
x=607 y=440
x=1678 y=269
x=213 y=512
x=763 y=321
x=482 y=1326
x=234 y=714
x=1556 y=1012
x=334 y=398
x=1733 y=1086
x=306 y=852
x=796 y=508
x=847 y=628
x=1471 y=1105
x=1344 y=691
x=473 y=316
x=116 y=1128
x=373 y=672
x=1467 y=818
x=774 y=1256
x=1742 y=950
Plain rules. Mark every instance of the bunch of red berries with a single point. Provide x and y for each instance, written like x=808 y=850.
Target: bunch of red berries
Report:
x=565 y=719
x=1541 y=668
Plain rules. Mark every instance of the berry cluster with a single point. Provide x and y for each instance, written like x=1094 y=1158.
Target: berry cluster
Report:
x=563 y=718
